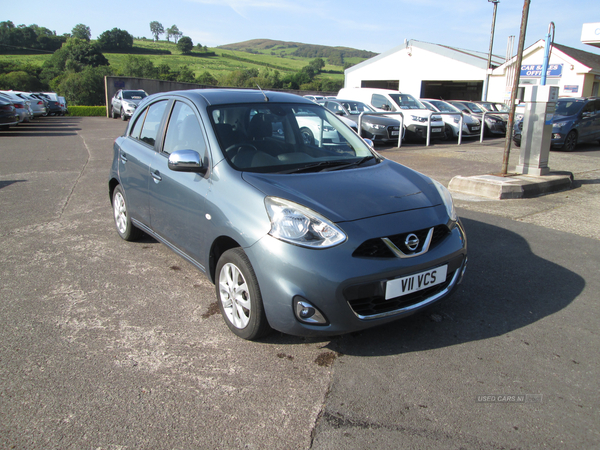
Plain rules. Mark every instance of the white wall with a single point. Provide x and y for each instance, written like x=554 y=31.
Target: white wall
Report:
x=411 y=65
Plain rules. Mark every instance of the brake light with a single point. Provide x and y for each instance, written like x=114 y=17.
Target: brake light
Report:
x=6 y=108
x=18 y=105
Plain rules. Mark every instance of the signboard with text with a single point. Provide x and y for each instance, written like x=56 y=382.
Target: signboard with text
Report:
x=535 y=70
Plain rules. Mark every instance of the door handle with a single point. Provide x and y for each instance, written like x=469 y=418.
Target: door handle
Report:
x=156 y=176
x=123 y=156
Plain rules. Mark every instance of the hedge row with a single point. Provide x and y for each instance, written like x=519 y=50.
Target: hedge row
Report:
x=87 y=111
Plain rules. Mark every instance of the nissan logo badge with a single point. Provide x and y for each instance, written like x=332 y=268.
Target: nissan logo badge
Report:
x=412 y=242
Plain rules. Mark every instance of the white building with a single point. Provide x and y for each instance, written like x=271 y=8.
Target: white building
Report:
x=428 y=70
x=424 y=70
x=576 y=72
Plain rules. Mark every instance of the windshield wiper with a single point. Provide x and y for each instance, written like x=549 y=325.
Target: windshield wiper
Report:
x=318 y=166
x=323 y=166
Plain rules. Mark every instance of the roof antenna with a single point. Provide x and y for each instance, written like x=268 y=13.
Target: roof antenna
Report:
x=263 y=93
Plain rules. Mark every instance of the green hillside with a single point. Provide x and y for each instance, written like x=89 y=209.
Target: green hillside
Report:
x=255 y=54
x=77 y=69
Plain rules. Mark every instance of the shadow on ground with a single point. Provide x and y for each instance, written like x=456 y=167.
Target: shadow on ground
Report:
x=506 y=287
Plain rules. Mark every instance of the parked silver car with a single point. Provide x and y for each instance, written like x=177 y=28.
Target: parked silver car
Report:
x=37 y=105
x=471 y=125
x=308 y=238
x=378 y=129
x=124 y=103
x=494 y=125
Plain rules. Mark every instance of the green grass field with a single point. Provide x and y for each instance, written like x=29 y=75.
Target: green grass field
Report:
x=276 y=55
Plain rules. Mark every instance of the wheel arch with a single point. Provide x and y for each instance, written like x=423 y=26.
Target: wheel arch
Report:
x=219 y=246
x=112 y=184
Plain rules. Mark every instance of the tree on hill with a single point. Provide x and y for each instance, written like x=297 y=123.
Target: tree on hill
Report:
x=116 y=39
x=77 y=71
x=174 y=33
x=206 y=78
x=81 y=31
x=185 y=44
x=157 y=29
x=74 y=55
x=28 y=37
x=138 y=66
x=317 y=64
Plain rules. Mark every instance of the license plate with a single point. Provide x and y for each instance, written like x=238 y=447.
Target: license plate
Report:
x=476 y=128
x=436 y=130
x=417 y=282
x=395 y=133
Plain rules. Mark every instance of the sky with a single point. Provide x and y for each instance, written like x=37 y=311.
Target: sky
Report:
x=376 y=26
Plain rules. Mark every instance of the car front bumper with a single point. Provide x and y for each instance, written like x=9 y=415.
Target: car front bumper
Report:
x=420 y=131
x=348 y=290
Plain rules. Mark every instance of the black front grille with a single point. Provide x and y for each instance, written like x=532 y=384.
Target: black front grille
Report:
x=369 y=300
x=376 y=248
x=390 y=131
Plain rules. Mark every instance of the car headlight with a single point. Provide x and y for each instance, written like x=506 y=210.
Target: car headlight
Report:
x=559 y=124
x=447 y=199
x=293 y=223
x=419 y=119
x=375 y=126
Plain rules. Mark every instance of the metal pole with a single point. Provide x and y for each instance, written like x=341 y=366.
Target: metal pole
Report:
x=549 y=43
x=489 y=61
x=515 y=87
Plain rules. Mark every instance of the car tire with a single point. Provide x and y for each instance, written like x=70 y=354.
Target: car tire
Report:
x=570 y=141
x=307 y=136
x=448 y=134
x=238 y=295
x=123 y=116
x=125 y=228
x=112 y=113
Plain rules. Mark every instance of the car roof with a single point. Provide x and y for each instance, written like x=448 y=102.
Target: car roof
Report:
x=233 y=96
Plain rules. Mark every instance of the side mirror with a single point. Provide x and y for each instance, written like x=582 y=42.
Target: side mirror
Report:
x=185 y=161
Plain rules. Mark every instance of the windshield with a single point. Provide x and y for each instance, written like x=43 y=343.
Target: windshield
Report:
x=443 y=106
x=473 y=107
x=568 y=107
x=487 y=106
x=134 y=95
x=287 y=138
x=406 y=101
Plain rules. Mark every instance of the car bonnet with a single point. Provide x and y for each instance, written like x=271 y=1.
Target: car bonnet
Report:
x=352 y=194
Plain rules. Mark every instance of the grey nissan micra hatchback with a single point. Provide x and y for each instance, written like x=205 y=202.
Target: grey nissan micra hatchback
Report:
x=299 y=223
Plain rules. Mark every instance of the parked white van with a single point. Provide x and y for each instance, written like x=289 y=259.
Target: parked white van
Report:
x=414 y=112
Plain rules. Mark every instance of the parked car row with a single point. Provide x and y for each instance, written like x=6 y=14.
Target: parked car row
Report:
x=18 y=107
x=575 y=120
x=443 y=117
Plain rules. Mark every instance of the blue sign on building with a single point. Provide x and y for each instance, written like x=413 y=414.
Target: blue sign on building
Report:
x=535 y=70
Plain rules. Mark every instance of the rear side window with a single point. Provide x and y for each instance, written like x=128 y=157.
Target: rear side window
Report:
x=151 y=124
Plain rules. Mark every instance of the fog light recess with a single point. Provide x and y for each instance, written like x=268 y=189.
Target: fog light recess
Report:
x=307 y=313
